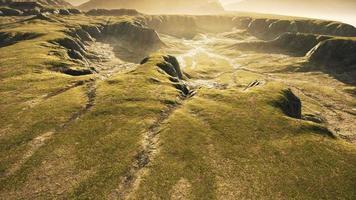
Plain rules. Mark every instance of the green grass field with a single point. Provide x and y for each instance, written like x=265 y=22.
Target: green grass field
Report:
x=133 y=135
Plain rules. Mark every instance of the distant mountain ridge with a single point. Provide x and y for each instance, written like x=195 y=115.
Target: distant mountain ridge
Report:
x=49 y=3
x=158 y=6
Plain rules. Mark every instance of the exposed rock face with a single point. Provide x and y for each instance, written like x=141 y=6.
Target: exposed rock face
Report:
x=114 y=12
x=16 y=8
x=50 y=10
x=189 y=26
x=296 y=44
x=173 y=25
x=43 y=16
x=338 y=54
x=69 y=71
x=290 y=104
x=270 y=28
x=169 y=65
x=73 y=45
x=27 y=4
x=133 y=34
x=74 y=11
x=259 y=26
x=55 y=3
x=11 y=12
x=9 y=38
x=93 y=31
x=82 y=34
x=123 y=36
x=158 y=6
x=64 y=12
x=34 y=11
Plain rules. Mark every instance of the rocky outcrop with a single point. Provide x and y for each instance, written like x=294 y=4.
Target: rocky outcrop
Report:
x=93 y=31
x=72 y=45
x=64 y=12
x=82 y=34
x=69 y=70
x=42 y=16
x=73 y=72
x=338 y=54
x=10 y=12
x=9 y=38
x=114 y=12
x=34 y=11
x=74 y=11
x=290 y=104
x=169 y=65
x=50 y=11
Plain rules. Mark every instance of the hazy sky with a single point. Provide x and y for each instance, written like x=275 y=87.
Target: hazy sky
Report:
x=78 y=2
x=224 y=2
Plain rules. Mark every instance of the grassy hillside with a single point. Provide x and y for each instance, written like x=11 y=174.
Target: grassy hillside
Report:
x=135 y=134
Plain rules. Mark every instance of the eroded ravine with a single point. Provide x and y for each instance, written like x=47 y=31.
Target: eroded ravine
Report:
x=105 y=64
x=130 y=183
x=210 y=50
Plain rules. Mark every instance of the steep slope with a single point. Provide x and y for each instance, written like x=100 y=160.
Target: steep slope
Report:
x=158 y=6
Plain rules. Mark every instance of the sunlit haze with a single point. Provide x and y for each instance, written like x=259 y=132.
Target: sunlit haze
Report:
x=342 y=10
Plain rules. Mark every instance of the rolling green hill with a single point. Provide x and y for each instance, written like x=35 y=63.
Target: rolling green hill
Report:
x=176 y=107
